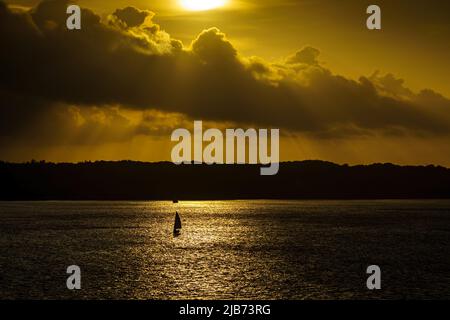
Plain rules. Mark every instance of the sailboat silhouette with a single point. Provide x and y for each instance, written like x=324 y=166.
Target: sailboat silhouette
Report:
x=177 y=225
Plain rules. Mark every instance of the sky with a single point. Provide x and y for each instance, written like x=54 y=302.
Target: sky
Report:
x=140 y=69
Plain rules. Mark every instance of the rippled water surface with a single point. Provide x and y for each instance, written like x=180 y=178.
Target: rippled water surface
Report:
x=227 y=249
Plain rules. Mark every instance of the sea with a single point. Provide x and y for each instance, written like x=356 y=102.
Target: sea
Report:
x=227 y=250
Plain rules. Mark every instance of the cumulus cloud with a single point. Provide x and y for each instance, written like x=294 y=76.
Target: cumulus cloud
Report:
x=211 y=46
x=129 y=62
x=307 y=55
x=132 y=17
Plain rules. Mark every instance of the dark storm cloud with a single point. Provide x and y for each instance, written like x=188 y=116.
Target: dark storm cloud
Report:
x=307 y=55
x=137 y=65
x=132 y=17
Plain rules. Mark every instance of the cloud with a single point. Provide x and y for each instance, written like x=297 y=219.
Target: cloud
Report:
x=132 y=17
x=307 y=55
x=129 y=62
x=211 y=46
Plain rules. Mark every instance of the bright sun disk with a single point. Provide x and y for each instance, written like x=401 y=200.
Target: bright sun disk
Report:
x=201 y=5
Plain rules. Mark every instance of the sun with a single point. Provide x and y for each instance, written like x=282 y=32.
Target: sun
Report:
x=202 y=5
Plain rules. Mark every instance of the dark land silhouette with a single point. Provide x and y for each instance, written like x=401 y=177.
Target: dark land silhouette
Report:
x=130 y=180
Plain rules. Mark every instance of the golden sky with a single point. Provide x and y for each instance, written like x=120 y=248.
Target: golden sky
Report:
x=117 y=88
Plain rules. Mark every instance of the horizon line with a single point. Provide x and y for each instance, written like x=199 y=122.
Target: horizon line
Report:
x=33 y=161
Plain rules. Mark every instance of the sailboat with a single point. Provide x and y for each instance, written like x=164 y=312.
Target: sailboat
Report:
x=177 y=225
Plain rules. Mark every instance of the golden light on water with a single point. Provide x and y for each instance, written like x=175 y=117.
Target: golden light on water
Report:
x=202 y=5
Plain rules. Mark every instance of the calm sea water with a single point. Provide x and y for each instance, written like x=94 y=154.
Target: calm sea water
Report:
x=227 y=250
